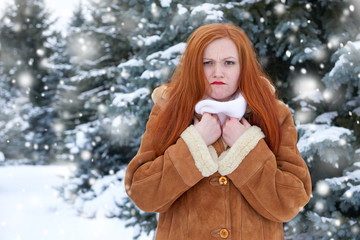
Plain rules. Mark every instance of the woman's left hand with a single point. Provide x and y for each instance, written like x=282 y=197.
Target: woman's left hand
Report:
x=232 y=129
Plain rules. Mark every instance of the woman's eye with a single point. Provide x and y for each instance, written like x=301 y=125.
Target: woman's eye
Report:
x=229 y=62
x=207 y=62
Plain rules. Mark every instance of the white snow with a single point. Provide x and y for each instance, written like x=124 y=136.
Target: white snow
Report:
x=357 y=111
x=308 y=50
x=147 y=41
x=132 y=63
x=92 y=92
x=326 y=118
x=307 y=87
x=2 y=157
x=15 y=123
x=167 y=54
x=103 y=195
x=31 y=210
x=349 y=178
x=120 y=98
x=165 y=3
x=350 y=47
x=147 y=74
x=316 y=134
x=330 y=221
x=210 y=10
x=312 y=95
x=206 y=7
x=339 y=64
x=91 y=74
x=81 y=139
x=181 y=9
x=355 y=45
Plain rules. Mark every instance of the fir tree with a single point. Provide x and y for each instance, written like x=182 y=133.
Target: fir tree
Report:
x=94 y=49
x=78 y=18
x=25 y=40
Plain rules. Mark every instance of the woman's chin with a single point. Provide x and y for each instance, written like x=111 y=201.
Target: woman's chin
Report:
x=221 y=96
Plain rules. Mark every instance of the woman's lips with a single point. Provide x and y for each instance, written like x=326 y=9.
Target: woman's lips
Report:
x=217 y=83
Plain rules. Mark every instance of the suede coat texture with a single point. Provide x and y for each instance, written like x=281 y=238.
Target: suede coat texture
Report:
x=217 y=192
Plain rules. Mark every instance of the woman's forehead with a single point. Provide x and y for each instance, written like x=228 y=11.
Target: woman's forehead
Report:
x=221 y=48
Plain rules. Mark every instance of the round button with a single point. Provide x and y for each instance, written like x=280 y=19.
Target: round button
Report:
x=223 y=180
x=224 y=233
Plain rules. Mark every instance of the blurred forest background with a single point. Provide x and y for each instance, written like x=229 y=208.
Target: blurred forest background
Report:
x=83 y=96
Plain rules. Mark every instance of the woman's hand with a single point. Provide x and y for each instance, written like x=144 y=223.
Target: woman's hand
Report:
x=209 y=127
x=232 y=129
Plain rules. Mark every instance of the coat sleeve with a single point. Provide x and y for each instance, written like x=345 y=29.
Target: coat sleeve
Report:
x=154 y=182
x=276 y=186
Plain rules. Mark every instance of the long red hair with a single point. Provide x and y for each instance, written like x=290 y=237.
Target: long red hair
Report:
x=188 y=84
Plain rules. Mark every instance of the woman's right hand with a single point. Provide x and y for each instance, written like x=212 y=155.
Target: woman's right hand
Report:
x=209 y=127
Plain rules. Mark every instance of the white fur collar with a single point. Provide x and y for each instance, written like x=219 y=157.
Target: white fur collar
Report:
x=234 y=108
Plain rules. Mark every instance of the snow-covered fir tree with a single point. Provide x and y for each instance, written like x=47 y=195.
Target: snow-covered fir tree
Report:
x=12 y=123
x=96 y=135
x=95 y=48
x=25 y=48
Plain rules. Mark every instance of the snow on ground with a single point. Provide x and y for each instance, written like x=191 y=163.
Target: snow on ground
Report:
x=31 y=210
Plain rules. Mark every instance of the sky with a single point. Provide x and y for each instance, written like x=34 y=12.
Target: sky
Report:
x=59 y=8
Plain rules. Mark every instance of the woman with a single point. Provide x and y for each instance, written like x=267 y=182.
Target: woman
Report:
x=218 y=159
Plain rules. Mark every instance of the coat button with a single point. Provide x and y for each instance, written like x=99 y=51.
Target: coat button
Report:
x=223 y=180
x=224 y=233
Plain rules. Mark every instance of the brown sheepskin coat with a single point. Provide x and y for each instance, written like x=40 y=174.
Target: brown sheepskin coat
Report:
x=217 y=192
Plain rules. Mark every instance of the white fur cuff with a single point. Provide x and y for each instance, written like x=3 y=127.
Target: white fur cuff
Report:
x=231 y=159
x=199 y=151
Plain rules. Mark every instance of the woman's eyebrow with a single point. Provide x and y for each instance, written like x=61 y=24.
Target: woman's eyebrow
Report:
x=222 y=58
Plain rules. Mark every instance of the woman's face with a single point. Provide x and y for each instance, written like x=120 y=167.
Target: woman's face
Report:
x=222 y=69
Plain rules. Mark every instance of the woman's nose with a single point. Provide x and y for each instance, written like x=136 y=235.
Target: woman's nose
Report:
x=218 y=71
